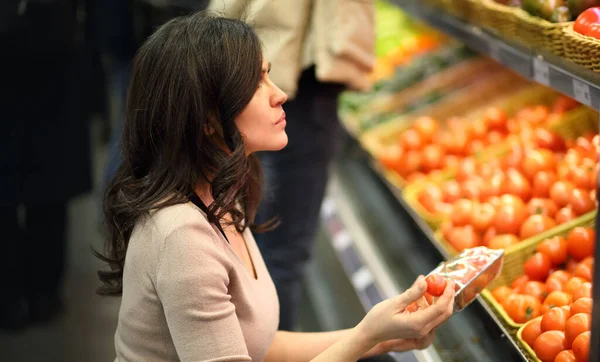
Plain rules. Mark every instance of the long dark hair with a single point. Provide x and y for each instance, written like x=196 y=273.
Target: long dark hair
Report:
x=189 y=81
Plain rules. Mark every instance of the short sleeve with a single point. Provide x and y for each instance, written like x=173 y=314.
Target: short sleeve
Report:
x=192 y=284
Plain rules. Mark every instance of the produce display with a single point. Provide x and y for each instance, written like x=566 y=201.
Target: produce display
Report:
x=588 y=23
x=504 y=182
x=418 y=69
x=556 y=275
x=427 y=147
x=552 y=10
x=532 y=189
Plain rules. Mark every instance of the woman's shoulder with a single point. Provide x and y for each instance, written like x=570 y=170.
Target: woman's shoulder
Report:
x=176 y=226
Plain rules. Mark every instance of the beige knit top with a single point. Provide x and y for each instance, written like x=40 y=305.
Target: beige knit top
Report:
x=187 y=296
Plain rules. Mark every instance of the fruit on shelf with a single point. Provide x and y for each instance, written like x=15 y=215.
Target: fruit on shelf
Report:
x=588 y=22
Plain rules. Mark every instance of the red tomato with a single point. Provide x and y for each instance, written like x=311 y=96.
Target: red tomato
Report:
x=522 y=308
x=581 y=242
x=556 y=248
x=429 y=196
x=474 y=146
x=538 y=267
x=472 y=188
x=548 y=140
x=466 y=168
x=431 y=157
x=563 y=104
x=502 y=241
x=581 y=202
x=581 y=178
x=501 y=293
x=450 y=161
x=557 y=299
x=560 y=192
x=549 y=344
x=581 y=346
x=392 y=157
x=538 y=206
x=575 y=325
x=535 y=225
x=519 y=282
x=488 y=236
x=571 y=263
x=584 y=271
x=517 y=184
x=565 y=356
x=535 y=289
x=483 y=217
x=493 y=137
x=536 y=161
x=411 y=163
x=581 y=305
x=573 y=285
x=450 y=191
x=435 y=284
x=554 y=320
x=509 y=218
x=561 y=275
x=495 y=119
x=531 y=331
x=427 y=127
x=553 y=284
x=564 y=215
x=462 y=212
x=411 y=140
x=464 y=237
x=584 y=291
x=585 y=20
x=542 y=181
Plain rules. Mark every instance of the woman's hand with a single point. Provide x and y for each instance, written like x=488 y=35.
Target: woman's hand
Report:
x=389 y=320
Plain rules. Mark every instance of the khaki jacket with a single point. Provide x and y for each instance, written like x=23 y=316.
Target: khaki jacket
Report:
x=337 y=36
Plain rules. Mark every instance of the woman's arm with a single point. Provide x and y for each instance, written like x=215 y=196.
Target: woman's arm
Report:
x=387 y=327
x=343 y=345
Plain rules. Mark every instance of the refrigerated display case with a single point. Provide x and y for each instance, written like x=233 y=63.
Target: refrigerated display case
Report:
x=382 y=245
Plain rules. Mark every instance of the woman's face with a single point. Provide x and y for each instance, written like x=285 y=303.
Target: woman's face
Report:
x=262 y=122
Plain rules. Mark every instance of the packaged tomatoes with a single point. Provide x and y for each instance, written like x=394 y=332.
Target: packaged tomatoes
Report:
x=472 y=270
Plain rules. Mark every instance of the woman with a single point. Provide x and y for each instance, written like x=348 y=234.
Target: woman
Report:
x=180 y=209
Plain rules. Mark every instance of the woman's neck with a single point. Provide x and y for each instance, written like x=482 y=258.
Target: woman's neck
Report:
x=203 y=190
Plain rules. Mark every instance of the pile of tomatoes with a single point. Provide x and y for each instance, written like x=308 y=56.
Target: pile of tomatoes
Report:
x=559 y=273
x=555 y=297
x=539 y=184
x=426 y=149
x=562 y=334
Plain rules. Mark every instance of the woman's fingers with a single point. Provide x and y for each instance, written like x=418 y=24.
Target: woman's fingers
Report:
x=413 y=294
x=424 y=320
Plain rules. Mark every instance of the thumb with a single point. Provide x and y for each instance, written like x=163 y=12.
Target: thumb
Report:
x=413 y=294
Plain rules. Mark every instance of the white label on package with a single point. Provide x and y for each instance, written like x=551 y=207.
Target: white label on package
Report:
x=582 y=92
x=541 y=71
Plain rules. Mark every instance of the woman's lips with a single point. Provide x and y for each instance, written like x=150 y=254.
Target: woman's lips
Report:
x=281 y=119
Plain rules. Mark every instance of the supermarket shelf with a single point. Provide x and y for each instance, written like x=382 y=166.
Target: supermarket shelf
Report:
x=555 y=72
x=395 y=247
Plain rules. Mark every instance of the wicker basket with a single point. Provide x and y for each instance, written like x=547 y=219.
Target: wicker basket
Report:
x=461 y=8
x=516 y=256
x=581 y=50
x=529 y=352
x=497 y=18
x=540 y=33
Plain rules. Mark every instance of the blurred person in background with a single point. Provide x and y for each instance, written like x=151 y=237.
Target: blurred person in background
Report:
x=47 y=78
x=318 y=48
x=120 y=26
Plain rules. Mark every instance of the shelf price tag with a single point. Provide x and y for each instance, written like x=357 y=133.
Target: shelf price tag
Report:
x=582 y=92
x=362 y=279
x=541 y=71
